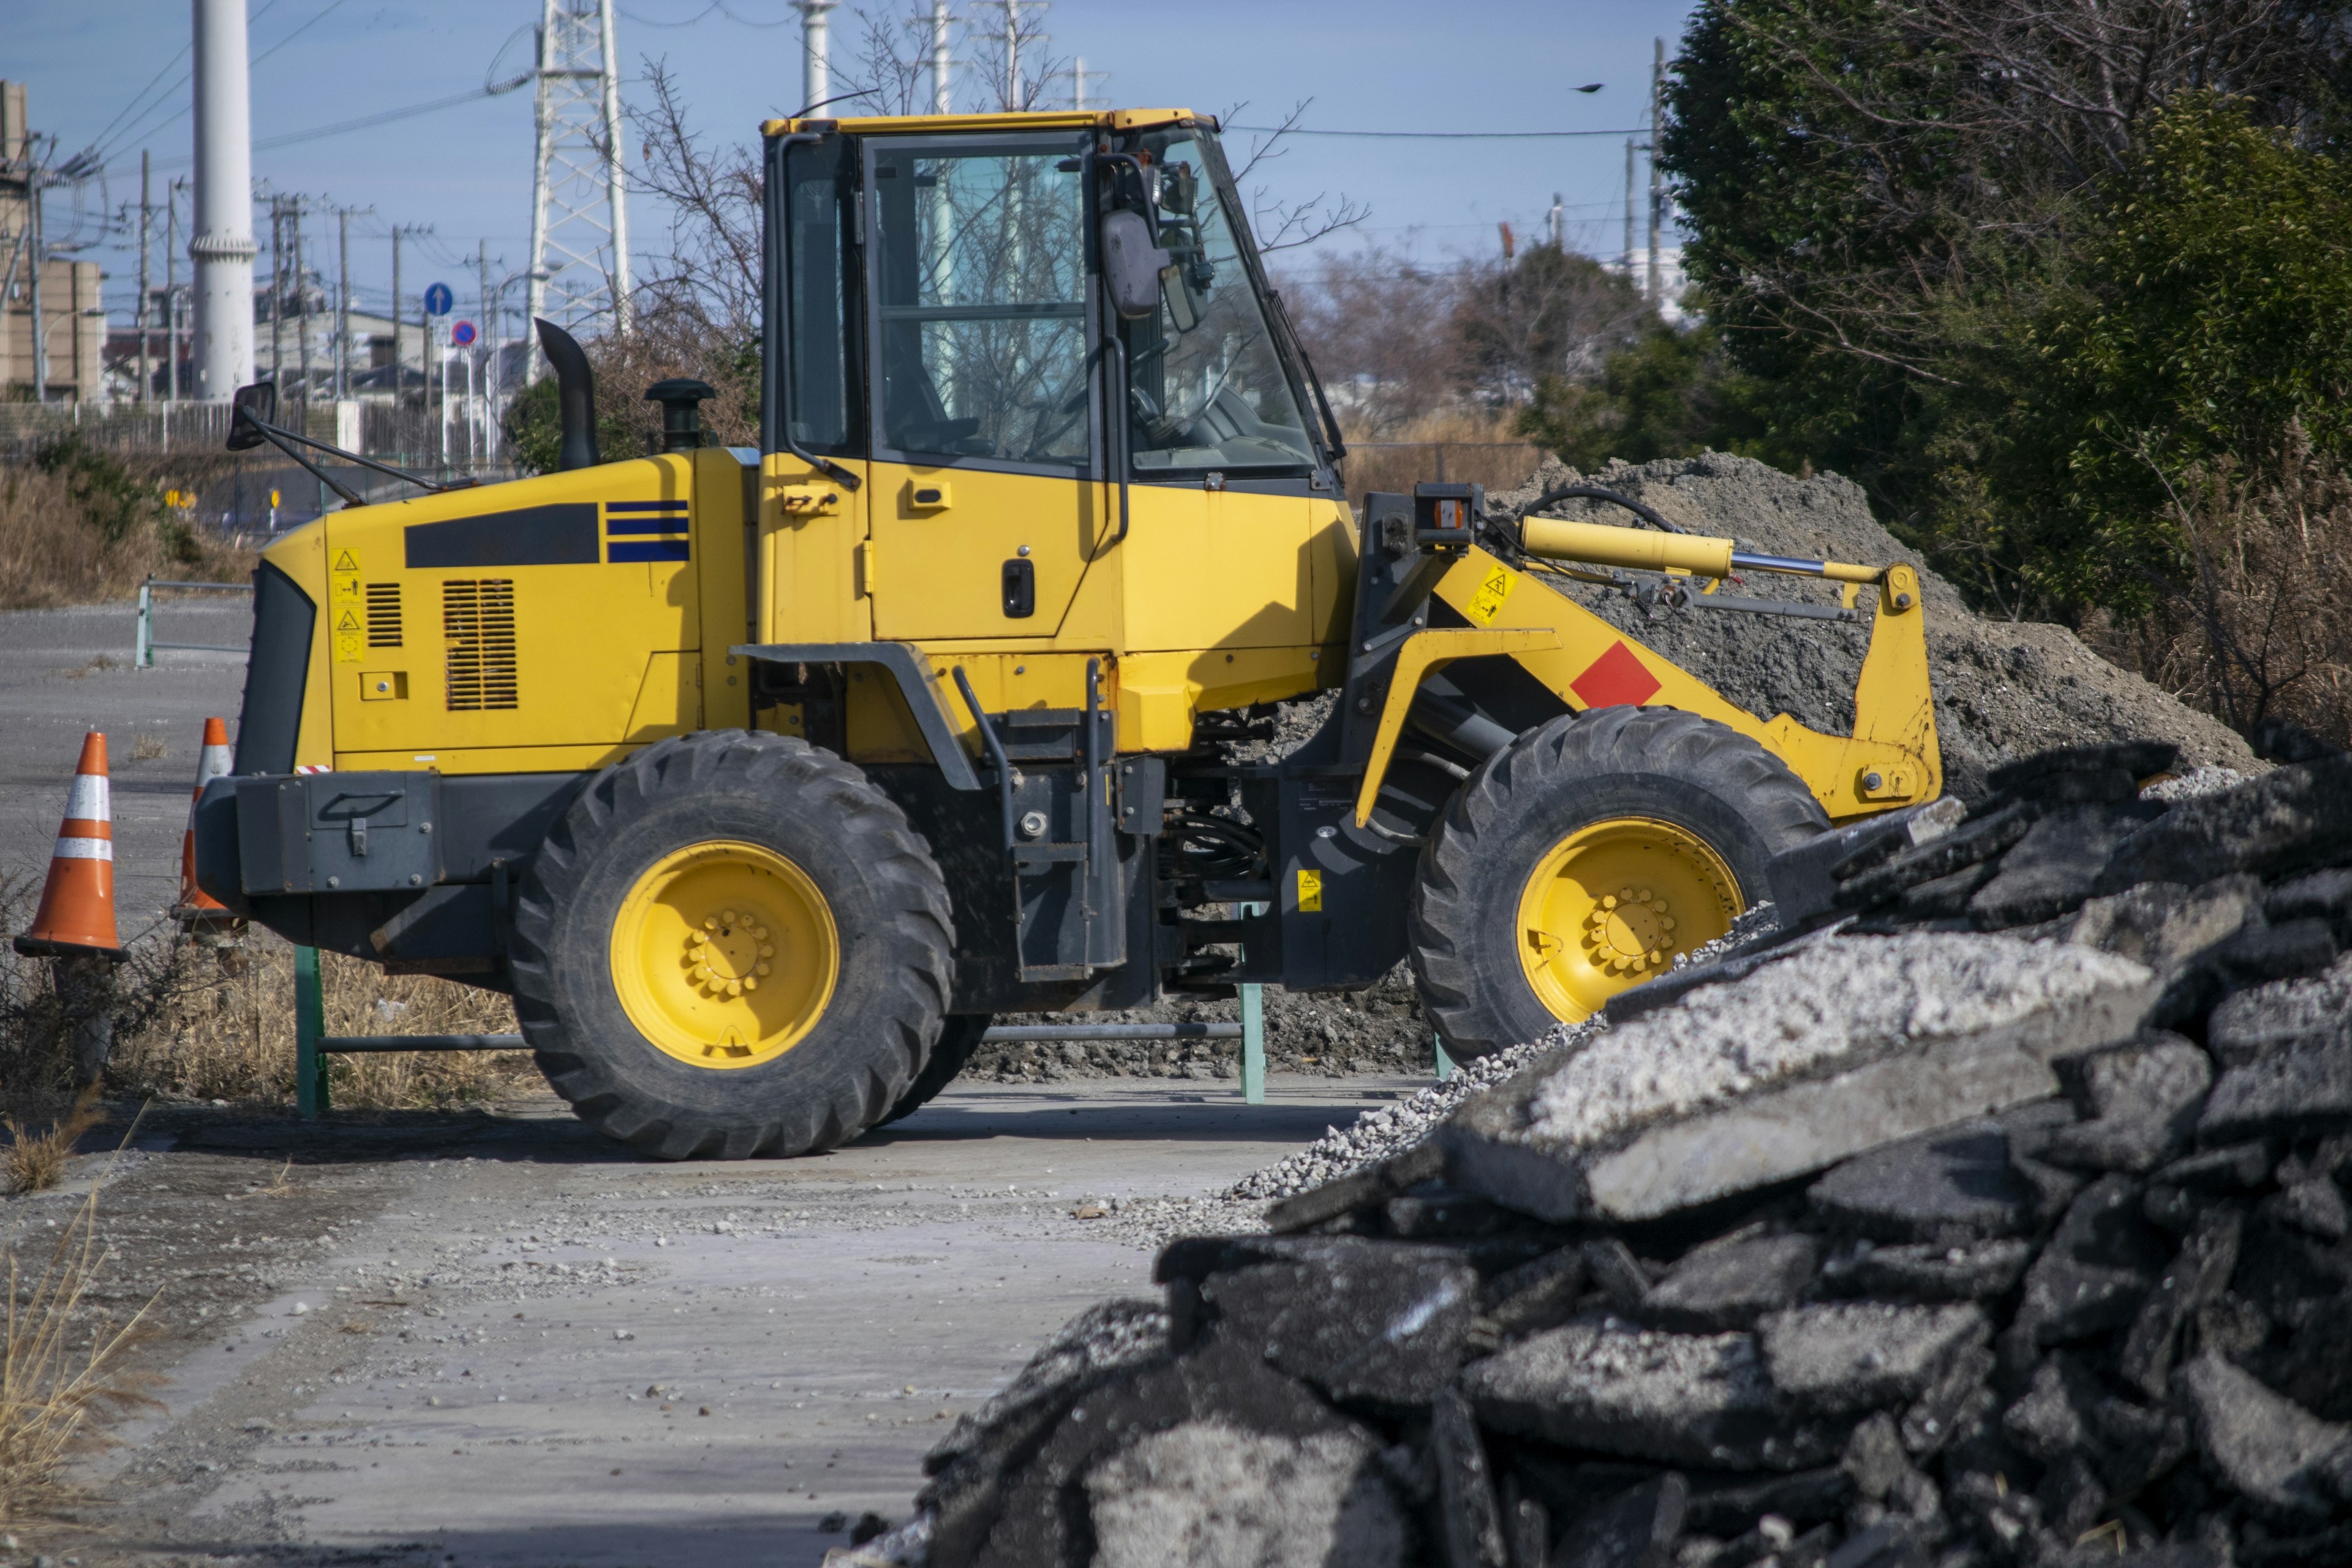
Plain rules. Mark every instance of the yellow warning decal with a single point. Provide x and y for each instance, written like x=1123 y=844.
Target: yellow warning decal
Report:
x=351 y=638
x=1488 y=602
x=345 y=561
x=1310 y=892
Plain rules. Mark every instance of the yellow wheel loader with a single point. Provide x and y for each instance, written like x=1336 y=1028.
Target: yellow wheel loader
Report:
x=762 y=779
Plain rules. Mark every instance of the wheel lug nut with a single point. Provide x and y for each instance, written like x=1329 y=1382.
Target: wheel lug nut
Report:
x=767 y=952
x=1608 y=901
x=750 y=984
x=759 y=933
x=734 y=988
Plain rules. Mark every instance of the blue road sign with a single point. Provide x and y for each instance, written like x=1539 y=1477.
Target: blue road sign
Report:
x=437 y=299
x=462 y=334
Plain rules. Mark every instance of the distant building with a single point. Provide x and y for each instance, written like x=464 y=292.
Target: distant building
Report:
x=68 y=291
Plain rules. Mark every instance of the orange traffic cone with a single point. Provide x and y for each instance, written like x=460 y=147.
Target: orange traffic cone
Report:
x=77 y=914
x=195 y=904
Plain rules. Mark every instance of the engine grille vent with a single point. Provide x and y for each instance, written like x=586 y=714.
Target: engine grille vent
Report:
x=383 y=614
x=478 y=617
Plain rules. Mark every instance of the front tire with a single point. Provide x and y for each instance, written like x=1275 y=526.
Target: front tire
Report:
x=960 y=1036
x=731 y=945
x=1581 y=858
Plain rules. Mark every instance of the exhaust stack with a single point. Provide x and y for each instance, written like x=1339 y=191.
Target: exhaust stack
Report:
x=575 y=397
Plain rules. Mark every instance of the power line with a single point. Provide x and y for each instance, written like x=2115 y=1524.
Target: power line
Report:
x=1433 y=135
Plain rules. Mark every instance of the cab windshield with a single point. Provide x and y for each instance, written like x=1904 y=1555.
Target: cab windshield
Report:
x=1207 y=387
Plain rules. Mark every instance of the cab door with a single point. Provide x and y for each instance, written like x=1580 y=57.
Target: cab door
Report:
x=986 y=494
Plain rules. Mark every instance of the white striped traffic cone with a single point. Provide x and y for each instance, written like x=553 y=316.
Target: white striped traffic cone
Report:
x=195 y=904
x=76 y=918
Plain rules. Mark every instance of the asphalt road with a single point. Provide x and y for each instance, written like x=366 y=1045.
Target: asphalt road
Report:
x=66 y=673
x=499 y=1340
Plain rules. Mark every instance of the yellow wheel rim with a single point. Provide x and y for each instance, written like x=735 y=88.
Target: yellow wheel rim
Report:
x=1610 y=904
x=725 y=955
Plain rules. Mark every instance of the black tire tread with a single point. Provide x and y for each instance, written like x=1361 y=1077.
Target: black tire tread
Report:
x=919 y=936
x=1607 y=740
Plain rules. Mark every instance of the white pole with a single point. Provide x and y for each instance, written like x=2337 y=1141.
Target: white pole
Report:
x=543 y=123
x=223 y=247
x=615 y=181
x=942 y=98
x=816 y=46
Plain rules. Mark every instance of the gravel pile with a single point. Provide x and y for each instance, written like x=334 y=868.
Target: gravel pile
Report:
x=1991 y=1214
x=2003 y=689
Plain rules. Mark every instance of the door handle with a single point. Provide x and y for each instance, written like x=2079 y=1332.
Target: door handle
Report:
x=1020 y=584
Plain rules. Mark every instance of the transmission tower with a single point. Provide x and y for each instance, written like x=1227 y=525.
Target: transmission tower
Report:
x=580 y=214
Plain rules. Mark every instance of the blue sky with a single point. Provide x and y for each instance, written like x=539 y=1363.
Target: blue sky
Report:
x=108 y=71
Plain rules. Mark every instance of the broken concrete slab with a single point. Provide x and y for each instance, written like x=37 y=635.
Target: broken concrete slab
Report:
x=1470 y=1513
x=1946 y=1188
x=1205 y=1492
x=1842 y=1046
x=2165 y=924
x=1378 y=1324
x=2097 y=1270
x=2253 y=1023
x=2295 y=1088
x=1925 y=1272
x=2134 y=759
x=1862 y=1355
x=2298 y=816
x=1635 y=1528
x=2196 y=1276
x=2265 y=1446
x=2056 y=866
x=1730 y=1283
x=1679 y=1399
x=2323 y=895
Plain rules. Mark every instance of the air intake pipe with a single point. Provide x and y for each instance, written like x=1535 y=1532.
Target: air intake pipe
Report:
x=575 y=397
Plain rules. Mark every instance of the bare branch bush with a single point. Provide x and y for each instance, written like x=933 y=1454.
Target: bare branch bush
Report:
x=1288 y=224
x=2261 y=625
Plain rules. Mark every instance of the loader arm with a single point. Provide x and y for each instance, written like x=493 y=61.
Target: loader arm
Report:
x=1891 y=759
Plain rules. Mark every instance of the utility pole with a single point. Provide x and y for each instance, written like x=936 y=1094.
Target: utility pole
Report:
x=35 y=183
x=942 y=97
x=146 y=211
x=1079 y=76
x=1657 y=176
x=816 y=41
x=277 y=291
x=483 y=336
x=223 y=247
x=172 y=291
x=344 y=299
x=1629 y=209
x=301 y=304
x=1559 y=223
x=578 y=219
x=1013 y=35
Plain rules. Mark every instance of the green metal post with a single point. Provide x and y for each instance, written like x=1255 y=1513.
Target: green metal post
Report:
x=310 y=1023
x=1444 y=1062
x=1253 y=1044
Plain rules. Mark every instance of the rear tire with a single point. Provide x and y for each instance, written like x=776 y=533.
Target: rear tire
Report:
x=1524 y=916
x=959 y=1035
x=731 y=945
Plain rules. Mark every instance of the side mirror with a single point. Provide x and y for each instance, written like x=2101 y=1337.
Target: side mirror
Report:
x=1131 y=264
x=256 y=401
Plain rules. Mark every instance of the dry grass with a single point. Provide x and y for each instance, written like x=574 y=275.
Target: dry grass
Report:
x=63 y=1371
x=2259 y=624
x=1462 y=445
x=35 y=1161
x=53 y=551
x=222 y=1029
x=196 y=1023
x=148 y=748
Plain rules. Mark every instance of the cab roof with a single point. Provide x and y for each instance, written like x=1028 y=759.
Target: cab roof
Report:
x=1064 y=119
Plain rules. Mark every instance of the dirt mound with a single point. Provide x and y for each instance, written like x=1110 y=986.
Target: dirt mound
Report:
x=2003 y=689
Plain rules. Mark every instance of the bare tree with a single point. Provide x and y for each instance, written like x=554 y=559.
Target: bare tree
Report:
x=1286 y=224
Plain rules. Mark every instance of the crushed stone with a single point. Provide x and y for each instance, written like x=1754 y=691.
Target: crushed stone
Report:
x=1393 y=1129
x=2003 y=689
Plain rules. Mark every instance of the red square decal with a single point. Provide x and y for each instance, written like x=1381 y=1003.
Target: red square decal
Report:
x=1616 y=677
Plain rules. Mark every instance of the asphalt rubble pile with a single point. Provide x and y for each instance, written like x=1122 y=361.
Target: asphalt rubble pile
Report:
x=1990 y=1212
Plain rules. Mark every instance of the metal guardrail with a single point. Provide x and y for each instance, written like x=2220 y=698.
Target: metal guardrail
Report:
x=144 y=644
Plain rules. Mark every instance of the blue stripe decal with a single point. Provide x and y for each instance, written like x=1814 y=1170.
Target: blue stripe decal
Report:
x=671 y=525
x=619 y=550
x=648 y=505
